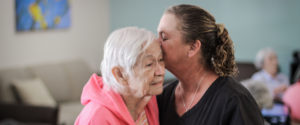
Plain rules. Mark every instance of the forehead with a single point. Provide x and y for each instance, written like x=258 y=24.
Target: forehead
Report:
x=151 y=52
x=167 y=23
x=153 y=49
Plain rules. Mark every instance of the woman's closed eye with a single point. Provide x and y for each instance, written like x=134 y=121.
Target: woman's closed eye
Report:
x=163 y=37
x=161 y=59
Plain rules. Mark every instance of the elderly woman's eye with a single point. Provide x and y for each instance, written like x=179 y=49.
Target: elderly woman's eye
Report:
x=149 y=64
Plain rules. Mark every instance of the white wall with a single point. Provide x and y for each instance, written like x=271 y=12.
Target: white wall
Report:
x=84 y=39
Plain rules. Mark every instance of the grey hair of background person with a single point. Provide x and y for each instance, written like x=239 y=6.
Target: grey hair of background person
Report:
x=260 y=92
x=122 y=48
x=260 y=56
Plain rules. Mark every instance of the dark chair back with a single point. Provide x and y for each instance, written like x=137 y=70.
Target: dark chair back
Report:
x=246 y=70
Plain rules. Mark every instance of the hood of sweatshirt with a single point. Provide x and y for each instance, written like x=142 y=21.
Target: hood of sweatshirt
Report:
x=95 y=91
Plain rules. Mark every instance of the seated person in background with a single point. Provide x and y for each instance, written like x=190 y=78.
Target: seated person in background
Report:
x=266 y=61
x=133 y=72
x=291 y=99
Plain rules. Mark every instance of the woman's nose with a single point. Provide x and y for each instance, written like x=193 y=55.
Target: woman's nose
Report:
x=160 y=70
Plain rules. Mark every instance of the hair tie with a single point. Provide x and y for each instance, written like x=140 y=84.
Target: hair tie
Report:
x=212 y=60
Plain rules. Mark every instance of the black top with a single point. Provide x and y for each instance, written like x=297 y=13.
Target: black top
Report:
x=225 y=102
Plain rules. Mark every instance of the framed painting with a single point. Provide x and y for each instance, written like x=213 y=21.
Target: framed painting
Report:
x=42 y=14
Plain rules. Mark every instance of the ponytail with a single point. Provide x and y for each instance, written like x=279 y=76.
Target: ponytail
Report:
x=223 y=59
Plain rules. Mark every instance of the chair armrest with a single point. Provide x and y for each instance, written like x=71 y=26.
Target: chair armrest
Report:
x=28 y=113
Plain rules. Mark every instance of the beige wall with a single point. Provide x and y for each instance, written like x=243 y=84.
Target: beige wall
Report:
x=84 y=39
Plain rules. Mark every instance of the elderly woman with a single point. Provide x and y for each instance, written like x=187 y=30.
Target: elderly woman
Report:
x=199 y=52
x=133 y=72
x=266 y=61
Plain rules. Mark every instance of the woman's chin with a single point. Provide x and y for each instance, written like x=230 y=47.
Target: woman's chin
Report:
x=156 y=89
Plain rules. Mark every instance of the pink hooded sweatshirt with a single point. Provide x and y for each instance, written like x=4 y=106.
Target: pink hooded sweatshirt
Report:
x=106 y=107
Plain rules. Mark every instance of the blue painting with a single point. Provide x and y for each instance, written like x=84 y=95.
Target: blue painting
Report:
x=42 y=14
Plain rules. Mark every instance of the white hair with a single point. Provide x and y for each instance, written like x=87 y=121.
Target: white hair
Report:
x=122 y=48
x=261 y=55
x=260 y=92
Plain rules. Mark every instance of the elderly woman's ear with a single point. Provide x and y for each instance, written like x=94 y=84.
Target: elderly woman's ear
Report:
x=120 y=75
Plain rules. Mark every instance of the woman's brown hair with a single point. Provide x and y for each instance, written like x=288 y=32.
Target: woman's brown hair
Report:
x=217 y=47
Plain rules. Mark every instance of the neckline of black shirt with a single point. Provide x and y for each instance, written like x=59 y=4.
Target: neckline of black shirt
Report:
x=209 y=92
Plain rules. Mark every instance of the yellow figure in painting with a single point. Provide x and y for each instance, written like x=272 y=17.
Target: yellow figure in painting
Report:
x=37 y=15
